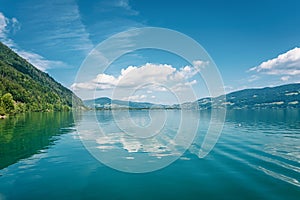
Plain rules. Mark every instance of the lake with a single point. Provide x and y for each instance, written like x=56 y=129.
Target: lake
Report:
x=144 y=154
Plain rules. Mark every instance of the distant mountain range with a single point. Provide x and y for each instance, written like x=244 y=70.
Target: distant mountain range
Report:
x=107 y=103
x=25 y=88
x=285 y=96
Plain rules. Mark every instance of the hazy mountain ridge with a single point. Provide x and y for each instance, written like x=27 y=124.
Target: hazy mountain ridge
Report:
x=284 y=96
x=107 y=103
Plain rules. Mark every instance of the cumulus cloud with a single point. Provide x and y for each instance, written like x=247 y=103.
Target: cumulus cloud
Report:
x=287 y=64
x=200 y=64
x=161 y=77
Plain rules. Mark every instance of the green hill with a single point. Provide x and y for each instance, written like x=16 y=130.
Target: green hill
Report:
x=25 y=88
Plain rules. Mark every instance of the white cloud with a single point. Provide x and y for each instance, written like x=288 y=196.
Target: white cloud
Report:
x=3 y=24
x=200 y=64
x=285 y=78
x=6 y=26
x=193 y=82
x=157 y=88
x=125 y=5
x=253 y=78
x=159 y=77
x=136 y=98
x=16 y=26
x=149 y=73
x=130 y=77
x=39 y=61
x=287 y=63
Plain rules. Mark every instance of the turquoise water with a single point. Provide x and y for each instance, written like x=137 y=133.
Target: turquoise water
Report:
x=256 y=157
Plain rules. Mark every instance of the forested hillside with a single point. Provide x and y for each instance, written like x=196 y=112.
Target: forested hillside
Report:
x=25 y=88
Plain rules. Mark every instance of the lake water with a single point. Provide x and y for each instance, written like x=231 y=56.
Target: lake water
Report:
x=257 y=156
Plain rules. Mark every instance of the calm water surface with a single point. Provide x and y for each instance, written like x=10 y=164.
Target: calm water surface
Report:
x=256 y=157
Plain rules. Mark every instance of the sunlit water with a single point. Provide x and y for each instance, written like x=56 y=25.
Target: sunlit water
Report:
x=256 y=157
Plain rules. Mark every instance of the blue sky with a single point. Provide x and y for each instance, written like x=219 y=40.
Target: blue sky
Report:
x=253 y=43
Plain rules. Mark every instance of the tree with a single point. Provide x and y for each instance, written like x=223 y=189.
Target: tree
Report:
x=20 y=107
x=2 y=111
x=8 y=103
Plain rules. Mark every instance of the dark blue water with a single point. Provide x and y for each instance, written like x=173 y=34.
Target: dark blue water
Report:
x=256 y=157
